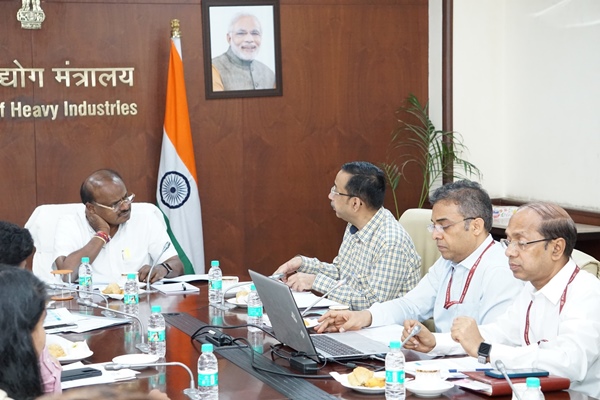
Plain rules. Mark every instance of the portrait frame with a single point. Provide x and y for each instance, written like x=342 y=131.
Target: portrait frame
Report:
x=217 y=16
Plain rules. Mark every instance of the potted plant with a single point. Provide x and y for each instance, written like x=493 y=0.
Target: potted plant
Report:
x=427 y=147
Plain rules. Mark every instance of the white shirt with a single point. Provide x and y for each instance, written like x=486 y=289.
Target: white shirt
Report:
x=569 y=342
x=138 y=242
x=490 y=292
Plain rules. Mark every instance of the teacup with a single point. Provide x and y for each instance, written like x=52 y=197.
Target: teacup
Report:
x=229 y=281
x=428 y=374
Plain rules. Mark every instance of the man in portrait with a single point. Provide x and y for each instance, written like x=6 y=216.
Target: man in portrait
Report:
x=238 y=68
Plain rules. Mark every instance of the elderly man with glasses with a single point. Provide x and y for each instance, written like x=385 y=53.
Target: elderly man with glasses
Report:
x=116 y=239
x=554 y=322
x=377 y=260
x=470 y=278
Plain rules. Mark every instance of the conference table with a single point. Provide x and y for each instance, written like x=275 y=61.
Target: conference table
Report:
x=234 y=382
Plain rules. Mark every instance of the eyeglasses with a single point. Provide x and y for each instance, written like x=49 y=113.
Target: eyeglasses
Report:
x=522 y=245
x=441 y=228
x=334 y=192
x=117 y=206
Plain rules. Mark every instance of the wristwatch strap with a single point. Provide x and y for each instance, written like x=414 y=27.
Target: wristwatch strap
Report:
x=167 y=267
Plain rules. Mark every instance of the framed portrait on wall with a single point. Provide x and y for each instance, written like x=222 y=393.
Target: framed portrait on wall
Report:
x=242 y=49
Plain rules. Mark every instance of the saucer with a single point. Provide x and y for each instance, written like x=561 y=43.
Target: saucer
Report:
x=343 y=379
x=76 y=351
x=427 y=390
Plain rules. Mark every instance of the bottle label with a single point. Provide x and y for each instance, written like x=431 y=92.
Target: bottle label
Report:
x=216 y=284
x=208 y=378
x=394 y=376
x=85 y=281
x=255 y=311
x=129 y=298
x=156 y=335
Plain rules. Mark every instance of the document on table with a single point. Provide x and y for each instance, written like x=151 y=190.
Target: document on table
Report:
x=453 y=365
x=106 y=377
x=176 y=288
x=184 y=278
x=62 y=320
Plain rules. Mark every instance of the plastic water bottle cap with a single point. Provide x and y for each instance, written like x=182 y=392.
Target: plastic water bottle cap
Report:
x=532 y=382
x=130 y=276
x=252 y=288
x=394 y=345
x=155 y=309
x=207 y=348
x=214 y=263
x=85 y=260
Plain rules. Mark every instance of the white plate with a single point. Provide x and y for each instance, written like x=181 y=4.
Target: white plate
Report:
x=76 y=351
x=136 y=359
x=343 y=379
x=234 y=291
x=120 y=296
x=427 y=390
x=235 y=303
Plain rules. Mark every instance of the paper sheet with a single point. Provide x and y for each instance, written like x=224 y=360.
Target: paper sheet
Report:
x=62 y=320
x=305 y=299
x=176 y=288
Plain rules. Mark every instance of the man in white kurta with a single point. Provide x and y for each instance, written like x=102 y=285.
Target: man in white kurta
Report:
x=115 y=237
x=554 y=323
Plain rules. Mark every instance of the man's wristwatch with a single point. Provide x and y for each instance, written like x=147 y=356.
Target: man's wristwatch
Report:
x=484 y=352
x=167 y=267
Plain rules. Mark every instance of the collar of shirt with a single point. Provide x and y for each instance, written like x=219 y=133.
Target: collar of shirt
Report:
x=365 y=234
x=472 y=258
x=554 y=289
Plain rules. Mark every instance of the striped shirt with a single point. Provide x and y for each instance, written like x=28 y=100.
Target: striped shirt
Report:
x=379 y=263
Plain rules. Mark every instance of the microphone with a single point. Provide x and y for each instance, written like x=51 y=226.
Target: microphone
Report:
x=148 y=288
x=414 y=331
x=143 y=346
x=502 y=368
x=337 y=285
x=191 y=392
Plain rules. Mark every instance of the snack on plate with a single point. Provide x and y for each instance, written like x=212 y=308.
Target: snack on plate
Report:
x=360 y=376
x=113 y=288
x=56 y=350
x=376 y=382
x=242 y=296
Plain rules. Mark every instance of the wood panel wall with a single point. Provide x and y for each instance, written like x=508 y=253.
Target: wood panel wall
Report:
x=265 y=165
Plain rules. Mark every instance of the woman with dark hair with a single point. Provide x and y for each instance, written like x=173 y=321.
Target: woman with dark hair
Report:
x=22 y=335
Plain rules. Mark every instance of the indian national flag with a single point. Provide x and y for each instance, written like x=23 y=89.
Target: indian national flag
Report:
x=177 y=186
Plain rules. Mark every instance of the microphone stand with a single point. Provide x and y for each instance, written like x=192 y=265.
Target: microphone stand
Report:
x=191 y=392
x=340 y=283
x=107 y=313
x=222 y=306
x=143 y=346
x=148 y=288
x=502 y=368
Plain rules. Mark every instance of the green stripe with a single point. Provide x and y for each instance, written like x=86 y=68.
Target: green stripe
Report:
x=188 y=268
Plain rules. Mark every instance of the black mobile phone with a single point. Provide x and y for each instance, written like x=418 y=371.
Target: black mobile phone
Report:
x=79 y=373
x=517 y=373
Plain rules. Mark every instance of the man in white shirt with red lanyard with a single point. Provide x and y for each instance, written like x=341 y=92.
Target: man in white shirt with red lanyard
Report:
x=471 y=278
x=554 y=323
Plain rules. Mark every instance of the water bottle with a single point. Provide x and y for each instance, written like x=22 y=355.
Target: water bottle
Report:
x=131 y=297
x=157 y=340
x=394 y=373
x=215 y=280
x=256 y=340
x=85 y=279
x=208 y=374
x=533 y=391
x=255 y=310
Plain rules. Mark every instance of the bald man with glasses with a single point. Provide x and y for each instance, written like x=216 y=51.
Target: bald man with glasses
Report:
x=470 y=278
x=115 y=238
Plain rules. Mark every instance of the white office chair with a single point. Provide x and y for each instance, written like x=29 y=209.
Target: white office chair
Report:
x=586 y=262
x=415 y=221
x=42 y=225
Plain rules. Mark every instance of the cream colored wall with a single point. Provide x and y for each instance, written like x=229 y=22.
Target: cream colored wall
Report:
x=526 y=96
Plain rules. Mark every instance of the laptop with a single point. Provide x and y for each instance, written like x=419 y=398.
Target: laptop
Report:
x=288 y=326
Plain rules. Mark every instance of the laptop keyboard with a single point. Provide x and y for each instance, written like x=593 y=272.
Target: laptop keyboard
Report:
x=332 y=346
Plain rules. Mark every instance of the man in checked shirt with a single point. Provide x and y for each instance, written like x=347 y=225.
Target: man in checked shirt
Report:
x=377 y=258
x=471 y=277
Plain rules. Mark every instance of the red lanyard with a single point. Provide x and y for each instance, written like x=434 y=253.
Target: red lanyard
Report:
x=448 y=303
x=563 y=298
